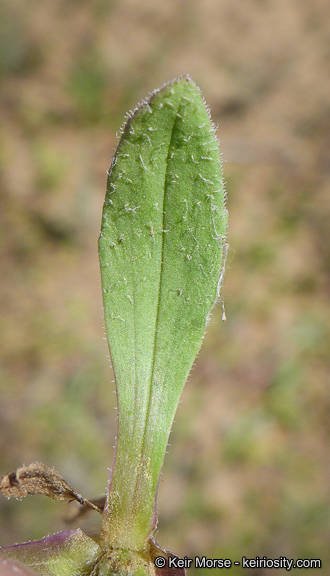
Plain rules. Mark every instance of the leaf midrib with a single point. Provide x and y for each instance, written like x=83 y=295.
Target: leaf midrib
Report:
x=161 y=276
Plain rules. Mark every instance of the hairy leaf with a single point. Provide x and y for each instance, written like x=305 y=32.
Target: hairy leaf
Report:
x=70 y=553
x=40 y=479
x=161 y=247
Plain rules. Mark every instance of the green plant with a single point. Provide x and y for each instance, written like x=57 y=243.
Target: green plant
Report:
x=161 y=257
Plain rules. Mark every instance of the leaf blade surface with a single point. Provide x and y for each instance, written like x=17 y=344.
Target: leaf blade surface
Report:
x=161 y=244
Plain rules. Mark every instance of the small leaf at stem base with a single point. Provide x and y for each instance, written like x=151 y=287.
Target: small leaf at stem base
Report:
x=40 y=479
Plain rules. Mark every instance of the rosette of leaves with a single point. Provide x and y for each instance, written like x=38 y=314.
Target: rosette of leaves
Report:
x=161 y=253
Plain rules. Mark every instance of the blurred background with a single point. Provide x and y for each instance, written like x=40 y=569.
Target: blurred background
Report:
x=248 y=467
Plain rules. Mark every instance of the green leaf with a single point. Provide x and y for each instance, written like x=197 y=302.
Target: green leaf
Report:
x=161 y=247
x=69 y=553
